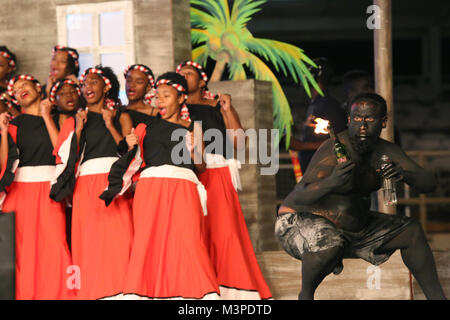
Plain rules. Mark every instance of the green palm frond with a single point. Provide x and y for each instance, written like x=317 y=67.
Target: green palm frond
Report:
x=286 y=58
x=199 y=36
x=224 y=37
x=201 y=19
x=243 y=10
x=281 y=112
x=218 y=9
x=237 y=72
x=200 y=54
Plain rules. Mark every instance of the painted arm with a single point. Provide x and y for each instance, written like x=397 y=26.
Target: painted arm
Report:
x=322 y=177
x=404 y=169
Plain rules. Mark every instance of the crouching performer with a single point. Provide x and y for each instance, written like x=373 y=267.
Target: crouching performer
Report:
x=327 y=216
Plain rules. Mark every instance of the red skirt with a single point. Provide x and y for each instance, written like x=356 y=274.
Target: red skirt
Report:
x=42 y=253
x=228 y=241
x=169 y=258
x=101 y=238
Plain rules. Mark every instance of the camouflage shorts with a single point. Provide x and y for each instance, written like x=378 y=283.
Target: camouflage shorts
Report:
x=300 y=232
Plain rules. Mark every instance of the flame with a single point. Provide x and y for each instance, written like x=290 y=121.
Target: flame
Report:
x=321 y=126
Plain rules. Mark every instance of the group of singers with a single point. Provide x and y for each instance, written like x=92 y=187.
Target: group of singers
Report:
x=142 y=225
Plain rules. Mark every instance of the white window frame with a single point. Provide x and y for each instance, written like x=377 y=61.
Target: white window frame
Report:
x=95 y=9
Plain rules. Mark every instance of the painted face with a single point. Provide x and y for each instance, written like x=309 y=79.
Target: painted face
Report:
x=93 y=88
x=365 y=124
x=168 y=101
x=137 y=85
x=5 y=69
x=67 y=98
x=59 y=64
x=193 y=79
x=26 y=92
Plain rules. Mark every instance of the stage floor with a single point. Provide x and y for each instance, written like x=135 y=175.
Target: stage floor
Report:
x=358 y=281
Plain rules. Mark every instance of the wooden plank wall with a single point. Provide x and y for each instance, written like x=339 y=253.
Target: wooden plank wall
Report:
x=252 y=100
x=161 y=31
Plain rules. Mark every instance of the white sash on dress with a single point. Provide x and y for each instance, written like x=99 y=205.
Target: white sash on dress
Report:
x=170 y=171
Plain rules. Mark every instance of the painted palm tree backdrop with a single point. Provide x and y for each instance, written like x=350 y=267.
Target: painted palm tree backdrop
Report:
x=224 y=37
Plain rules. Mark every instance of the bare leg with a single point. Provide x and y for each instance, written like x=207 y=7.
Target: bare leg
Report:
x=315 y=267
x=417 y=256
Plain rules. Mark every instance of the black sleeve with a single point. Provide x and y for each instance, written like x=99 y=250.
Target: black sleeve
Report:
x=65 y=183
x=7 y=173
x=122 y=147
x=66 y=153
x=116 y=174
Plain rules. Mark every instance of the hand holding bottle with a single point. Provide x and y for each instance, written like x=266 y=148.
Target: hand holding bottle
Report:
x=391 y=173
x=390 y=170
x=339 y=148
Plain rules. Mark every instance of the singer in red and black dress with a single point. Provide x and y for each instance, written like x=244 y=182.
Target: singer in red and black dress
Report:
x=139 y=86
x=227 y=238
x=101 y=236
x=65 y=95
x=7 y=67
x=169 y=259
x=28 y=173
x=63 y=65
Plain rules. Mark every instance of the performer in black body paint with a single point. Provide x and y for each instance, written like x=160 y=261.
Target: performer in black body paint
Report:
x=326 y=217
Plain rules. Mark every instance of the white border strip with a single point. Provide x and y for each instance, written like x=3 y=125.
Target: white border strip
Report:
x=132 y=296
x=35 y=174
x=97 y=166
x=169 y=171
x=218 y=161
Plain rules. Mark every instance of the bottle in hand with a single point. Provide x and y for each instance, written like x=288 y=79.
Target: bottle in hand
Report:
x=339 y=148
x=389 y=192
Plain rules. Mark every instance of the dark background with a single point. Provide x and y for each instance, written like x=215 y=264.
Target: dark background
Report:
x=336 y=29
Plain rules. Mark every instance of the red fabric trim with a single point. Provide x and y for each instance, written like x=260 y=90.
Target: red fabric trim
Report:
x=136 y=177
x=67 y=128
x=141 y=131
x=12 y=130
x=4 y=167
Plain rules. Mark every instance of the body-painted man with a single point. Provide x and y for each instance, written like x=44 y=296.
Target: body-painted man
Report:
x=327 y=216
